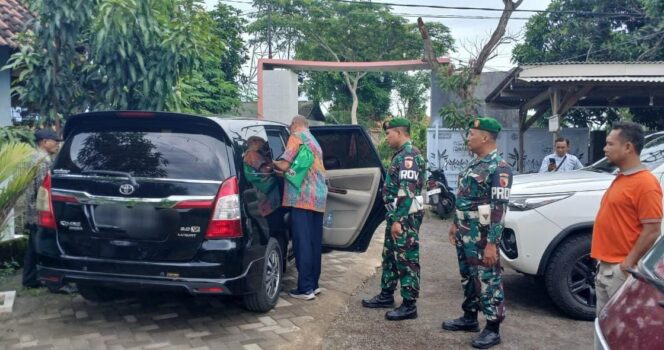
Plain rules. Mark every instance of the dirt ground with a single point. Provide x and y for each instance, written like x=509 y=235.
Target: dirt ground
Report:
x=532 y=322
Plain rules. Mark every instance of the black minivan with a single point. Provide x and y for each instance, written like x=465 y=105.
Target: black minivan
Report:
x=160 y=201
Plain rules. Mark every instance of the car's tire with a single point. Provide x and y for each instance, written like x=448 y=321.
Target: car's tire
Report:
x=570 y=278
x=97 y=294
x=267 y=293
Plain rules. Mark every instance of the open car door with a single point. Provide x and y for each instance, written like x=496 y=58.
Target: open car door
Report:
x=355 y=173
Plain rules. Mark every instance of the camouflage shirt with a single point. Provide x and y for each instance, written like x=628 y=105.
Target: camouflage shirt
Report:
x=486 y=180
x=405 y=179
x=42 y=157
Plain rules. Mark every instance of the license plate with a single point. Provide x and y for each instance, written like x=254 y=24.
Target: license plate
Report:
x=434 y=191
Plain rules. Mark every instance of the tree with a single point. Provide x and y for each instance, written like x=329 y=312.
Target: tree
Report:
x=114 y=54
x=578 y=30
x=412 y=94
x=50 y=61
x=345 y=32
x=463 y=81
x=214 y=86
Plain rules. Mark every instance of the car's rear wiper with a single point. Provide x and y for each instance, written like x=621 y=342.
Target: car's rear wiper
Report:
x=113 y=173
x=646 y=278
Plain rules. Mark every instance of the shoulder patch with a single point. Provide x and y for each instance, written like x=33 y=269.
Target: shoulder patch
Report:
x=408 y=162
x=504 y=179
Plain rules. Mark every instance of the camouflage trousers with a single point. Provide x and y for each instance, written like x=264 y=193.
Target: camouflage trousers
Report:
x=401 y=259
x=482 y=285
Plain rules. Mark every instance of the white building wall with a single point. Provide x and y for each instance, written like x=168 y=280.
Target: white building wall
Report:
x=447 y=149
x=280 y=95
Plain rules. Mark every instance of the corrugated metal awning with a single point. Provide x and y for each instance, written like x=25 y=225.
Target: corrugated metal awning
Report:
x=594 y=79
x=616 y=84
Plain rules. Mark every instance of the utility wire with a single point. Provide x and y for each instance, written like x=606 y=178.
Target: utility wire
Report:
x=469 y=8
x=627 y=14
x=455 y=16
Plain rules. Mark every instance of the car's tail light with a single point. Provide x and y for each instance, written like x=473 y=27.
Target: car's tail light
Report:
x=44 y=206
x=226 y=214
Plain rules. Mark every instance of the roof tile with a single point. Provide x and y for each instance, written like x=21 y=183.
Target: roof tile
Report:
x=14 y=16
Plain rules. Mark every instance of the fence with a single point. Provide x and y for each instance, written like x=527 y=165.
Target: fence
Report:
x=446 y=148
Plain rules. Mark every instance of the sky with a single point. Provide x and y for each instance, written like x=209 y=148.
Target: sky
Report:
x=466 y=32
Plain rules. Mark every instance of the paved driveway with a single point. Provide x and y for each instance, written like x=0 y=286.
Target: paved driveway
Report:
x=176 y=321
x=333 y=321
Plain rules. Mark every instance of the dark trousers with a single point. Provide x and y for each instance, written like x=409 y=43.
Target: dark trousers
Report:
x=30 y=262
x=307 y=231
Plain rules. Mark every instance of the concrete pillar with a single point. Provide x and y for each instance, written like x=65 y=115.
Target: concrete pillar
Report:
x=280 y=95
x=5 y=86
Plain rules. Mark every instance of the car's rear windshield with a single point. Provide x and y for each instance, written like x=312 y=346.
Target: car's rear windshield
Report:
x=151 y=154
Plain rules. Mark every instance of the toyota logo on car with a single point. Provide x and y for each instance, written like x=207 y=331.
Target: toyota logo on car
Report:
x=126 y=189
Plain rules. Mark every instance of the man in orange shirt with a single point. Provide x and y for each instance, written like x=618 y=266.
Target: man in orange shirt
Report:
x=630 y=214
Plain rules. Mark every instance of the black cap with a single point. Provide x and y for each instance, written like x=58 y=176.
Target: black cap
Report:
x=46 y=134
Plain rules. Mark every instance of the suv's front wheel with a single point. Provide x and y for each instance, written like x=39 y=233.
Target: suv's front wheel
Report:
x=570 y=277
x=267 y=294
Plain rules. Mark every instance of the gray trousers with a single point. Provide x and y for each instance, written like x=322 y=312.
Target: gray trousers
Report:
x=608 y=280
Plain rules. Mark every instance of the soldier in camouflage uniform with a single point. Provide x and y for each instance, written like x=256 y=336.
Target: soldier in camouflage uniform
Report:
x=402 y=196
x=483 y=195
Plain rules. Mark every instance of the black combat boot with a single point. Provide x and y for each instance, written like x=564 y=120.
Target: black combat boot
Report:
x=407 y=310
x=384 y=299
x=489 y=337
x=467 y=323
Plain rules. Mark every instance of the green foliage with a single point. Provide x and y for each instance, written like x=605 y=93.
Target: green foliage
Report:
x=564 y=36
x=126 y=54
x=213 y=86
x=50 y=64
x=412 y=93
x=8 y=269
x=13 y=134
x=17 y=171
x=345 y=32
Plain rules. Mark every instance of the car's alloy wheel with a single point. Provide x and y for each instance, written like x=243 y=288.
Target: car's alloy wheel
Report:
x=581 y=281
x=570 y=277
x=272 y=274
x=265 y=293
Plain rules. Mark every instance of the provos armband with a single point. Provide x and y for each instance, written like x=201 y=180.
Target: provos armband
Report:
x=409 y=169
x=501 y=184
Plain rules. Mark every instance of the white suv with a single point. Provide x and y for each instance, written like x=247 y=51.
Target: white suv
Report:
x=549 y=225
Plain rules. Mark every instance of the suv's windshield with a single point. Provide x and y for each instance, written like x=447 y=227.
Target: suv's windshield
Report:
x=652 y=156
x=165 y=154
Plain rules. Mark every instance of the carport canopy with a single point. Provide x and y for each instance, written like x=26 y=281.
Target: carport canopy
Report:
x=558 y=87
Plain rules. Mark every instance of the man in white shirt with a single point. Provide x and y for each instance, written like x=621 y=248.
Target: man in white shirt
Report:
x=561 y=160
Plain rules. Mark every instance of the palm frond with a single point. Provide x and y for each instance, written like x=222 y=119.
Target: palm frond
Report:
x=16 y=174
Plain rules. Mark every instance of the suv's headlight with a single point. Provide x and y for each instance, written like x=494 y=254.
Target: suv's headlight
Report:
x=528 y=202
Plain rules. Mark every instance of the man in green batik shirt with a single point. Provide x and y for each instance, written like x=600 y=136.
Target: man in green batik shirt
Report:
x=402 y=196
x=483 y=195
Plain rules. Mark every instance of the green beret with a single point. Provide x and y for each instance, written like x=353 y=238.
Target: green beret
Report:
x=486 y=124
x=396 y=122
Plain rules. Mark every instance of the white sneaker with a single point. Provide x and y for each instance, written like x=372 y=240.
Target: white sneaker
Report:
x=317 y=291
x=294 y=293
